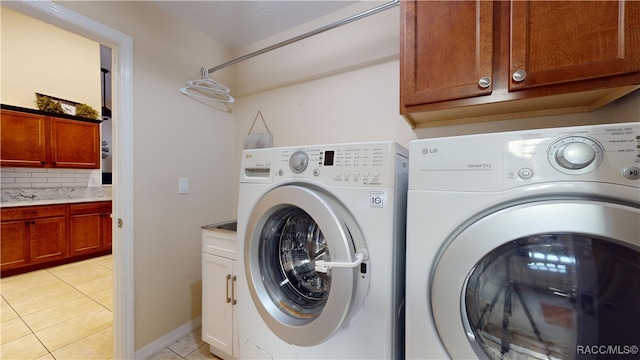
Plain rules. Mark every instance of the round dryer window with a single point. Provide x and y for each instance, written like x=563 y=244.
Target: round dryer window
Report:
x=555 y=296
x=552 y=279
x=302 y=256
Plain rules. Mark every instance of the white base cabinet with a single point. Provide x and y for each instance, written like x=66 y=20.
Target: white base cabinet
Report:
x=219 y=317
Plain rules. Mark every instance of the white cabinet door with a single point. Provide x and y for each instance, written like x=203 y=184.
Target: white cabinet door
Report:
x=218 y=288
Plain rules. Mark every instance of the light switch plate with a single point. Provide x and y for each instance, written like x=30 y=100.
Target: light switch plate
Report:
x=183 y=186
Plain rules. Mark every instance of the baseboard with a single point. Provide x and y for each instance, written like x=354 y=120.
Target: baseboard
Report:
x=166 y=340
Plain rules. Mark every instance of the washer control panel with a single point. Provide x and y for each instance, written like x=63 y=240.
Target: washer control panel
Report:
x=492 y=162
x=359 y=164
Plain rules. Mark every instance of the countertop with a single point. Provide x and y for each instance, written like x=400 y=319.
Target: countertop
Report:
x=52 y=196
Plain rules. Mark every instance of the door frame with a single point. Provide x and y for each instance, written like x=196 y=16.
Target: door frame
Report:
x=122 y=130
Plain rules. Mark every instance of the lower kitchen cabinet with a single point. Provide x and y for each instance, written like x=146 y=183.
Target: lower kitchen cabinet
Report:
x=35 y=237
x=90 y=227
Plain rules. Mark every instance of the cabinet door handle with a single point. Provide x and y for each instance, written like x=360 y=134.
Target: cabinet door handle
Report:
x=484 y=82
x=519 y=75
x=227 y=288
x=233 y=290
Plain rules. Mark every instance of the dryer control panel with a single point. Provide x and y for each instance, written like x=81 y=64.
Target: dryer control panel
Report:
x=491 y=162
x=374 y=164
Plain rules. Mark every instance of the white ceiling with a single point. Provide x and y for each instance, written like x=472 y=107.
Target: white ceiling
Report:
x=237 y=23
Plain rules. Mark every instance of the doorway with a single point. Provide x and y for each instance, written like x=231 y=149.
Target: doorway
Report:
x=122 y=133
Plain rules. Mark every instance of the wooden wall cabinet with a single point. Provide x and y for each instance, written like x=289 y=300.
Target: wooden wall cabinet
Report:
x=34 y=237
x=471 y=61
x=33 y=140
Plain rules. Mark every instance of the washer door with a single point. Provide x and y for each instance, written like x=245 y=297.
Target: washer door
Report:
x=555 y=279
x=301 y=264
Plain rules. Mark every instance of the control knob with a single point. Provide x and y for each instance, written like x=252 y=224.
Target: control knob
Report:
x=575 y=155
x=298 y=162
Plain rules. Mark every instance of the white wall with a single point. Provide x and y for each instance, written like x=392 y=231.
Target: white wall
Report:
x=38 y=57
x=174 y=136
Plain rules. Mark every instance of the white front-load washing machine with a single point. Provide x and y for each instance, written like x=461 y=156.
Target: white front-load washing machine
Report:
x=321 y=233
x=525 y=245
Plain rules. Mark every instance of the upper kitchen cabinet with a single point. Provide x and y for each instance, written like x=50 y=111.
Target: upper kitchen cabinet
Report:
x=472 y=61
x=28 y=139
x=22 y=140
x=75 y=144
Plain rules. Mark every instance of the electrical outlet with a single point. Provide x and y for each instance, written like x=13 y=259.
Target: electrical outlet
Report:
x=183 y=186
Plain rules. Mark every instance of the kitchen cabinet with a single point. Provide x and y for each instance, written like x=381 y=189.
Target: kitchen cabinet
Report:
x=219 y=316
x=90 y=227
x=34 y=237
x=471 y=61
x=75 y=144
x=22 y=139
x=29 y=139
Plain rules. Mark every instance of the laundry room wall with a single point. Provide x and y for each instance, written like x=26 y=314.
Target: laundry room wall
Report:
x=174 y=137
x=343 y=86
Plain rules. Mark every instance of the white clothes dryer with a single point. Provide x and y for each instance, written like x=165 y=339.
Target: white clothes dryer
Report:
x=321 y=233
x=525 y=245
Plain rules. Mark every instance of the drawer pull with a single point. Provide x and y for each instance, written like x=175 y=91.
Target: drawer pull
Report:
x=227 y=288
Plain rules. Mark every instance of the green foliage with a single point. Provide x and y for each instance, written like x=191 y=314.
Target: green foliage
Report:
x=47 y=104
x=86 y=111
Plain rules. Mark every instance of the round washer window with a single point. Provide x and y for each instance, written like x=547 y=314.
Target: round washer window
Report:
x=290 y=243
x=555 y=296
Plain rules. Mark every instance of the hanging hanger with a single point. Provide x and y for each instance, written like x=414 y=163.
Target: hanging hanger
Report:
x=207 y=89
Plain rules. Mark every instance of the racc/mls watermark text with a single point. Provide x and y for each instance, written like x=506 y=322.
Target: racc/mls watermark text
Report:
x=607 y=349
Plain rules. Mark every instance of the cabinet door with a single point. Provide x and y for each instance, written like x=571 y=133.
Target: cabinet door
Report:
x=561 y=41
x=14 y=244
x=22 y=139
x=75 y=144
x=446 y=50
x=107 y=235
x=218 y=290
x=85 y=233
x=47 y=239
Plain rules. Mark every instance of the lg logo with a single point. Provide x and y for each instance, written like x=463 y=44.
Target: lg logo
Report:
x=427 y=151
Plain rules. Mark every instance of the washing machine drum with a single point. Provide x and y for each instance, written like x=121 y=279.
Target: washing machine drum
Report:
x=560 y=284
x=302 y=256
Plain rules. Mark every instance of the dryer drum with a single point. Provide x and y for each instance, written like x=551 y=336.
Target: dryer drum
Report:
x=546 y=295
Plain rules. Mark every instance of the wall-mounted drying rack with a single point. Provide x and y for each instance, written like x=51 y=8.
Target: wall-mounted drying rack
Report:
x=334 y=25
x=209 y=89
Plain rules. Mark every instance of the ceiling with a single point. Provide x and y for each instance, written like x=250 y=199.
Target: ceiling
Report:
x=238 y=23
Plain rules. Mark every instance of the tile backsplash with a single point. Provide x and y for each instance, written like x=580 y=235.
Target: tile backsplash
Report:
x=18 y=178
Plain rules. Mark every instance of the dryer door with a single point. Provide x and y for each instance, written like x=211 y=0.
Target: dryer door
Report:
x=301 y=264
x=554 y=279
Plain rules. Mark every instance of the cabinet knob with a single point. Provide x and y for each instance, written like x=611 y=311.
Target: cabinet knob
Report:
x=484 y=82
x=519 y=75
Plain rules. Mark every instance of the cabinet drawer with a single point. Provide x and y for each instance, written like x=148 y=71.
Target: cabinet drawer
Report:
x=90 y=208
x=219 y=242
x=32 y=212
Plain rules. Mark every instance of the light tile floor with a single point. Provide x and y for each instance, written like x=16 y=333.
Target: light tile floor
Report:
x=65 y=312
